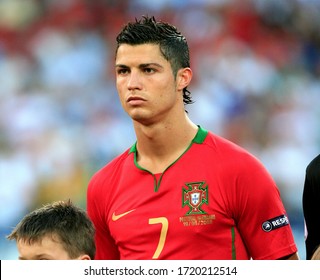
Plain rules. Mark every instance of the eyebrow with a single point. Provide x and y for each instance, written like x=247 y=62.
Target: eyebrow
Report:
x=36 y=257
x=143 y=65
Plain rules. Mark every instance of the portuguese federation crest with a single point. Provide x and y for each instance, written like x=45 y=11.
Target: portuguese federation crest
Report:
x=194 y=197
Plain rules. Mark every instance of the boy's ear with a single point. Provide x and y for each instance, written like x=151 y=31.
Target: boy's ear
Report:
x=84 y=258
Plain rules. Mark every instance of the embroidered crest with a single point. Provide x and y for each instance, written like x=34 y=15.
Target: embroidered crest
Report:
x=194 y=197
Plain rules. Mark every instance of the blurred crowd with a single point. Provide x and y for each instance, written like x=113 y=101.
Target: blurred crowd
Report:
x=256 y=67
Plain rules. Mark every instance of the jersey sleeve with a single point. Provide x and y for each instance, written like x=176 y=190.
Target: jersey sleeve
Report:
x=260 y=214
x=105 y=245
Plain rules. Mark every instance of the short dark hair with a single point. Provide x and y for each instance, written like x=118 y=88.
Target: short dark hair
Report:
x=62 y=220
x=173 y=45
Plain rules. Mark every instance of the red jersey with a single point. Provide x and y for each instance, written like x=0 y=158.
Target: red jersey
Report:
x=216 y=201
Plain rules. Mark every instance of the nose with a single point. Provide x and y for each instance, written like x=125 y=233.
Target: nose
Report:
x=134 y=80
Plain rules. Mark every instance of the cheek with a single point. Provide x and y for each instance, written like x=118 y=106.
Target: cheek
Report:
x=168 y=92
x=119 y=84
x=121 y=90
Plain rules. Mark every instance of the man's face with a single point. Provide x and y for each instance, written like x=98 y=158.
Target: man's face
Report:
x=145 y=83
x=46 y=249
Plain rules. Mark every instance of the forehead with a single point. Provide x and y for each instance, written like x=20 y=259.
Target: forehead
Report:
x=46 y=246
x=144 y=53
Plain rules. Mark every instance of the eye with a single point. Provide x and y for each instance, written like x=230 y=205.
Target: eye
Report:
x=148 y=70
x=122 y=71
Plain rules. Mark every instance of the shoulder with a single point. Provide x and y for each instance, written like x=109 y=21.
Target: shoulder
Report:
x=234 y=161
x=227 y=149
x=110 y=170
x=219 y=142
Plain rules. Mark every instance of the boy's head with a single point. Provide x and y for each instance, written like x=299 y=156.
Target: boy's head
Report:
x=55 y=231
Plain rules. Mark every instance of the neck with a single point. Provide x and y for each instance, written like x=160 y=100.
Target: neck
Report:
x=160 y=144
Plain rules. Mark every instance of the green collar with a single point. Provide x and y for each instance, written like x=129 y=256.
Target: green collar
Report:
x=199 y=138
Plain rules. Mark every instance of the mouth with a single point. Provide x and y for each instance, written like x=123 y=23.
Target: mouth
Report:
x=135 y=100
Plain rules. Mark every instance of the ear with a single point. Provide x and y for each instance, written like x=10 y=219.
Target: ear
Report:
x=184 y=77
x=84 y=258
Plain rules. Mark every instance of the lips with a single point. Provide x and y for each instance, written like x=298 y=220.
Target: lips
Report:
x=135 y=100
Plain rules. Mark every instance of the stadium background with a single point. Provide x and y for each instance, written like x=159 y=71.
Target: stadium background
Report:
x=256 y=66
